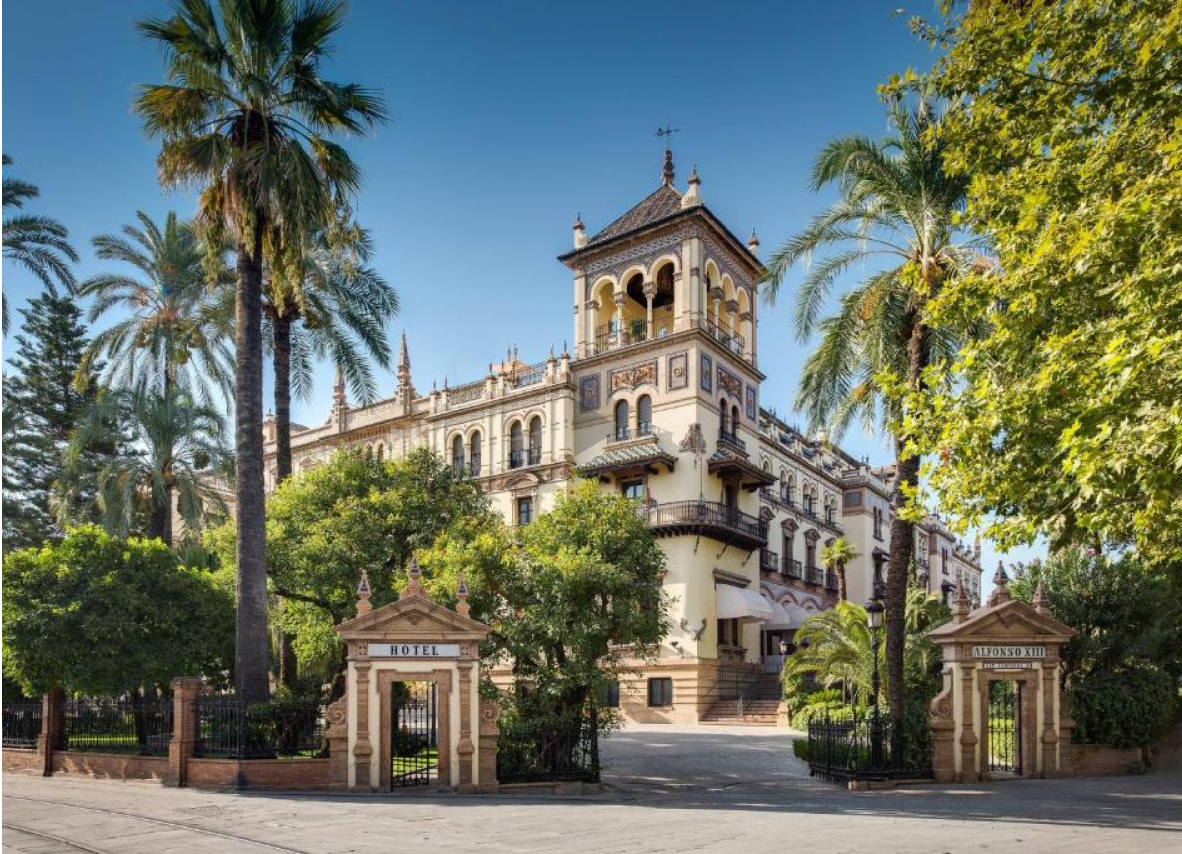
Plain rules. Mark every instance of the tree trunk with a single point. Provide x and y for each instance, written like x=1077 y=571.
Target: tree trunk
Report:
x=160 y=522
x=841 y=593
x=251 y=652
x=282 y=367
x=902 y=548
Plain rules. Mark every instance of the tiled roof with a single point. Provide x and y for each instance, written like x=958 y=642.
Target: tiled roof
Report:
x=629 y=455
x=662 y=203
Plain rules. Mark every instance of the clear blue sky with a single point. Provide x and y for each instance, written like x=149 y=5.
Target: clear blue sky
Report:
x=508 y=118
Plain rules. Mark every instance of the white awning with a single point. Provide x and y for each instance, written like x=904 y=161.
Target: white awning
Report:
x=785 y=616
x=741 y=603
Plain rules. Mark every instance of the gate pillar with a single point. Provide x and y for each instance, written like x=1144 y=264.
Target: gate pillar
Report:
x=1005 y=640
x=415 y=640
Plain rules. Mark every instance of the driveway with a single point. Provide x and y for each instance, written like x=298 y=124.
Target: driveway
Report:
x=664 y=759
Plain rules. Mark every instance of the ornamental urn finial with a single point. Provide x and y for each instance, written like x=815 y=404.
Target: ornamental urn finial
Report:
x=960 y=604
x=363 y=594
x=414 y=584
x=1041 y=603
x=462 y=606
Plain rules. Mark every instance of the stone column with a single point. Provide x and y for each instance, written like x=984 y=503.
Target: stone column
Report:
x=618 y=299
x=489 y=731
x=184 y=729
x=465 y=747
x=650 y=291
x=52 y=707
x=970 y=769
x=362 y=748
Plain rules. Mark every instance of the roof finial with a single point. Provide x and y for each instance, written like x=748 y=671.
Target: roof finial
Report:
x=667 y=169
x=462 y=606
x=1001 y=586
x=580 y=233
x=1041 y=603
x=753 y=242
x=414 y=584
x=960 y=605
x=363 y=594
x=693 y=193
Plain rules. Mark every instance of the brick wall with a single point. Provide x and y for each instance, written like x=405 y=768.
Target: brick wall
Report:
x=1100 y=760
x=111 y=765
x=17 y=759
x=289 y=774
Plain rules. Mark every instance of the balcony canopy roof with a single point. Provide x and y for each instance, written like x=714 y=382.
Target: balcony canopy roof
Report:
x=628 y=458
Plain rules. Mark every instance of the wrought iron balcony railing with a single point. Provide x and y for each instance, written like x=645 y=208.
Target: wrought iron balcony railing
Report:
x=794 y=569
x=525 y=457
x=708 y=518
x=623 y=434
x=814 y=575
x=728 y=437
x=769 y=561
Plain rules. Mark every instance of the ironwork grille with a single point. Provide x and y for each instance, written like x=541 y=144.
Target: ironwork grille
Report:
x=414 y=739
x=22 y=723
x=546 y=749
x=1005 y=727
x=229 y=728
x=844 y=746
x=141 y=725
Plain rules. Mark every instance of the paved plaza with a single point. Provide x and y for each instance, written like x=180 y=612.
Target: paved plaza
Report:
x=668 y=789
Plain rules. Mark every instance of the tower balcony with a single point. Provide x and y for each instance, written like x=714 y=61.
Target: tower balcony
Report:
x=711 y=519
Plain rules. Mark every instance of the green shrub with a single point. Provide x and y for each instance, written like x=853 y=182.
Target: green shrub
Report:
x=819 y=704
x=1130 y=707
x=800 y=749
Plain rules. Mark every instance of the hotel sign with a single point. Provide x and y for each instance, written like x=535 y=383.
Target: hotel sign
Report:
x=414 y=650
x=1004 y=651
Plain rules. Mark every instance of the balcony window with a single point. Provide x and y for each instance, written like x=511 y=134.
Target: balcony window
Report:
x=535 y=441
x=516 y=446
x=525 y=510
x=621 y=415
x=457 y=457
x=644 y=415
x=633 y=489
x=474 y=454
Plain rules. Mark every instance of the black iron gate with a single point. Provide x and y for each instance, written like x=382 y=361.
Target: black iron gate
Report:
x=1005 y=728
x=414 y=740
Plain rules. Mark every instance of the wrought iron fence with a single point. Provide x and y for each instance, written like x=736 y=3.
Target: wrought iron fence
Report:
x=530 y=375
x=227 y=727
x=22 y=723
x=465 y=393
x=533 y=750
x=849 y=746
x=136 y=724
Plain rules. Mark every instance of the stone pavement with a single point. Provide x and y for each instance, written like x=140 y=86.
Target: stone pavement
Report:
x=669 y=789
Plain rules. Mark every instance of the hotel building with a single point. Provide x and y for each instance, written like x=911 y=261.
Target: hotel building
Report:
x=660 y=401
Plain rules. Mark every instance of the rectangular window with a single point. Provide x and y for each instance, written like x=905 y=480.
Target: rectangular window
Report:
x=634 y=489
x=728 y=632
x=525 y=511
x=660 y=692
x=612 y=700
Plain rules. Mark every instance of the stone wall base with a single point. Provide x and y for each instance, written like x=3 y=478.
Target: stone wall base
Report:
x=113 y=766
x=1101 y=760
x=21 y=759
x=282 y=774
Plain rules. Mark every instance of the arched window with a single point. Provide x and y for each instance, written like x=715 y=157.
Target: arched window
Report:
x=474 y=454
x=785 y=487
x=369 y=452
x=381 y=452
x=644 y=416
x=535 y=440
x=722 y=425
x=516 y=445
x=735 y=420
x=457 y=456
x=621 y=415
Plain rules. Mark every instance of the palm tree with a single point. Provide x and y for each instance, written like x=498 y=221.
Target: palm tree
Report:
x=38 y=243
x=245 y=116
x=345 y=306
x=835 y=646
x=836 y=556
x=180 y=456
x=170 y=335
x=896 y=213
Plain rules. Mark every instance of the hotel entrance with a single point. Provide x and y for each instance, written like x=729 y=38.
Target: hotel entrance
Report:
x=414 y=734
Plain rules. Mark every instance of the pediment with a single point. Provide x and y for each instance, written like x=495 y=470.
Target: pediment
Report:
x=1006 y=621
x=416 y=616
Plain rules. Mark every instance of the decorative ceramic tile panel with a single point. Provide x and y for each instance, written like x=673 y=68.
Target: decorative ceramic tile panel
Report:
x=677 y=375
x=589 y=393
x=707 y=374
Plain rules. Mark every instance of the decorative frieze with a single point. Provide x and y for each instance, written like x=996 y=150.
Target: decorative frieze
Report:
x=633 y=376
x=730 y=383
x=644 y=253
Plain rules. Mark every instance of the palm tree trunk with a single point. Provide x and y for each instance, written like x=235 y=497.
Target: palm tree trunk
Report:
x=902 y=547
x=160 y=522
x=281 y=327
x=841 y=593
x=251 y=652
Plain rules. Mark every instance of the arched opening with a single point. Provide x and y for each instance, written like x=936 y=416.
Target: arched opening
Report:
x=644 y=416
x=621 y=420
x=381 y=452
x=603 y=316
x=474 y=454
x=745 y=321
x=723 y=432
x=635 y=310
x=457 y=457
x=516 y=446
x=369 y=453
x=535 y=440
x=735 y=421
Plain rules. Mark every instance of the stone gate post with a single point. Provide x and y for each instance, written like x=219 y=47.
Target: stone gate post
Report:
x=184 y=728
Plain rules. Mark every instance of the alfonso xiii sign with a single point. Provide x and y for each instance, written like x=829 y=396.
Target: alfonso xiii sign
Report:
x=414 y=650
x=1009 y=651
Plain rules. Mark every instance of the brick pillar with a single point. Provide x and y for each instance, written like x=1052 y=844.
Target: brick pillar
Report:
x=487 y=744
x=465 y=748
x=52 y=727
x=184 y=728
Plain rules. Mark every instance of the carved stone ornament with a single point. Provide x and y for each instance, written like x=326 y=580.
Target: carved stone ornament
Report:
x=730 y=383
x=694 y=442
x=633 y=376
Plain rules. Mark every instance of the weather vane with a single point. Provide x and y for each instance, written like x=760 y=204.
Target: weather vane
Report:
x=666 y=132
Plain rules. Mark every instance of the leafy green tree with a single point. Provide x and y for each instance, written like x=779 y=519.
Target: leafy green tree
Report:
x=1064 y=419
x=348 y=515
x=101 y=615
x=245 y=115
x=1121 y=668
x=181 y=457
x=36 y=242
x=836 y=556
x=896 y=214
x=42 y=408
x=573 y=597
x=168 y=335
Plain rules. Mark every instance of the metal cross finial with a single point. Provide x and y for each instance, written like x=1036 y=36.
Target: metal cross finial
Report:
x=666 y=132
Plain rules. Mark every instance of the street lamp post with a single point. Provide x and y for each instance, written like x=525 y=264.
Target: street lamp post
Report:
x=874 y=610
